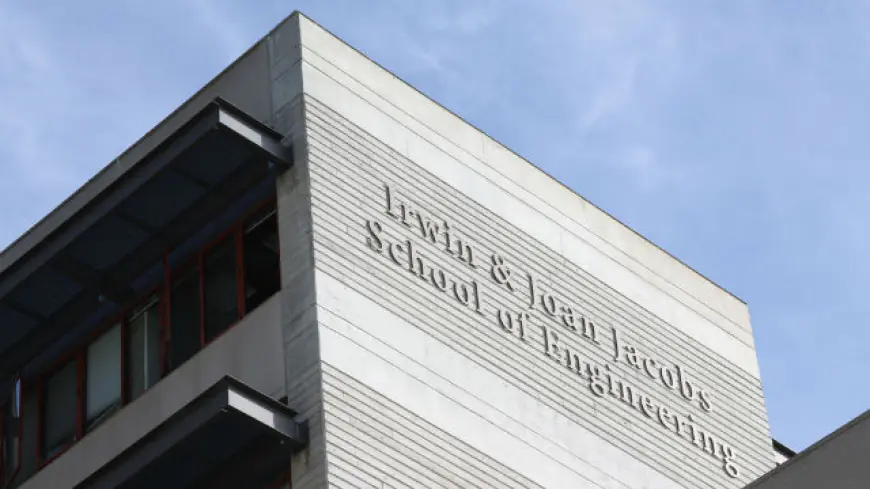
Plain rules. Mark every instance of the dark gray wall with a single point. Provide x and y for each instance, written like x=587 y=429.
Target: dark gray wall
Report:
x=837 y=462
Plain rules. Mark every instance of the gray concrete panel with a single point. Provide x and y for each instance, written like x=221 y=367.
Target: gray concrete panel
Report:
x=300 y=334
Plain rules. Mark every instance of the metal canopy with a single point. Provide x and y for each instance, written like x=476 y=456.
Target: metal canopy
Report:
x=231 y=436
x=95 y=257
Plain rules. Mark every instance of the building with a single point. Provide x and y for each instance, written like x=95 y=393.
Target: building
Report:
x=837 y=461
x=311 y=274
x=782 y=453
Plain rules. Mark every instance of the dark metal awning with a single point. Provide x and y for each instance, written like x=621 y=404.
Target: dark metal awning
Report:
x=229 y=437
x=96 y=248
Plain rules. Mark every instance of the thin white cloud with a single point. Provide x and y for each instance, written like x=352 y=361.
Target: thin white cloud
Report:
x=612 y=98
x=733 y=135
x=34 y=92
x=221 y=26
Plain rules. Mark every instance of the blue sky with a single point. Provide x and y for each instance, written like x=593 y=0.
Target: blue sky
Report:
x=733 y=134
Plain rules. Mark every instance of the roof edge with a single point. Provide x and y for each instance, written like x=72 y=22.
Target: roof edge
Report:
x=803 y=454
x=13 y=253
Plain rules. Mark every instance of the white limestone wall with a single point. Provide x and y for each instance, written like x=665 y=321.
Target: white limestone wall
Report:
x=424 y=387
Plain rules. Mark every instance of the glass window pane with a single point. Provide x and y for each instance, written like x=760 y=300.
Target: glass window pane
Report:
x=29 y=419
x=103 y=377
x=10 y=431
x=219 y=280
x=184 y=339
x=143 y=354
x=60 y=409
x=261 y=258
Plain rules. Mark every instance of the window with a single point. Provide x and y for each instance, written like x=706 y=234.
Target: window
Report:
x=262 y=268
x=220 y=285
x=103 y=377
x=143 y=348
x=225 y=281
x=185 y=338
x=59 y=428
x=10 y=430
x=29 y=424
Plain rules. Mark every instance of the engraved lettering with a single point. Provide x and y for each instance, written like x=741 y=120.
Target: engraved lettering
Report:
x=429 y=228
x=728 y=457
x=513 y=322
x=629 y=396
x=374 y=240
x=396 y=252
x=647 y=406
x=461 y=292
x=706 y=404
x=439 y=278
x=669 y=378
x=390 y=211
x=407 y=214
x=532 y=292
x=665 y=417
x=576 y=363
x=501 y=272
x=631 y=356
x=465 y=253
x=597 y=382
x=552 y=345
x=588 y=330
x=522 y=324
x=448 y=239
x=477 y=302
x=649 y=366
x=696 y=435
x=569 y=318
x=709 y=443
x=409 y=253
x=549 y=303
x=416 y=265
x=686 y=387
x=681 y=425
x=506 y=320
x=617 y=348
x=614 y=383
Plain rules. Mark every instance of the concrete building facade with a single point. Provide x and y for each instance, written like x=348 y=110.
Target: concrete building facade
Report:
x=312 y=275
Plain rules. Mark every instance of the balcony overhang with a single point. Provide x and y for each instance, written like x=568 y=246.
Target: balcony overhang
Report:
x=89 y=252
x=231 y=436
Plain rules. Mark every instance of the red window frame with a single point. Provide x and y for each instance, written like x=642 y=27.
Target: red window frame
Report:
x=6 y=478
x=235 y=233
x=124 y=323
x=60 y=362
x=284 y=478
x=7 y=475
x=163 y=292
